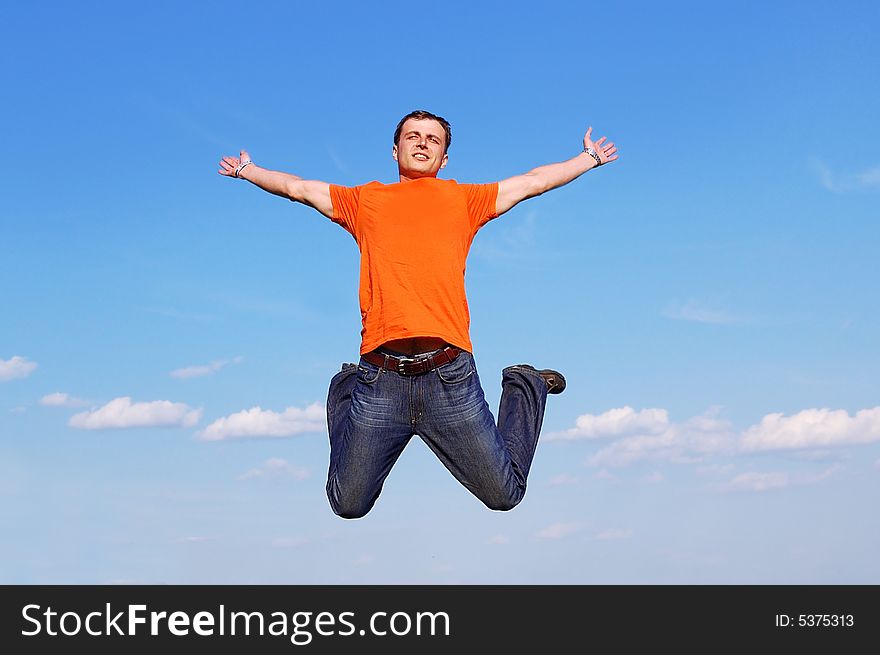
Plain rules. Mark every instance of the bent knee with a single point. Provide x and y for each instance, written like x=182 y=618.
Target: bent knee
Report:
x=502 y=505
x=502 y=500
x=351 y=512
x=348 y=507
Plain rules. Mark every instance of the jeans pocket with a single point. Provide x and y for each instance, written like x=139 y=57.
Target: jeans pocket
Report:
x=367 y=373
x=458 y=370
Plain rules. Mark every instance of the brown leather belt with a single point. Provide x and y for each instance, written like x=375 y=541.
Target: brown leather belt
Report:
x=412 y=365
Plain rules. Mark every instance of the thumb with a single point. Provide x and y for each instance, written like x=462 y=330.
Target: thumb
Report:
x=244 y=156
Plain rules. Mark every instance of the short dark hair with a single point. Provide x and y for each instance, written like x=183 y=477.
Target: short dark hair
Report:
x=420 y=114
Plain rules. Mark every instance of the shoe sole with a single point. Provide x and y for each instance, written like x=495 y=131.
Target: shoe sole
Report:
x=558 y=385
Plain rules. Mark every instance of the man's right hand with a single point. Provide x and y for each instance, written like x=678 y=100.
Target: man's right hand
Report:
x=228 y=165
x=309 y=192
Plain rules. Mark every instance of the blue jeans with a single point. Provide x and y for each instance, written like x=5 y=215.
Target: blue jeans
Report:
x=372 y=413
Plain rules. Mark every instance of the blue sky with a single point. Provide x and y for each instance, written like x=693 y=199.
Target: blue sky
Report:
x=711 y=297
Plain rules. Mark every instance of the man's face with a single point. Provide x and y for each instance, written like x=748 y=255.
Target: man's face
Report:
x=421 y=149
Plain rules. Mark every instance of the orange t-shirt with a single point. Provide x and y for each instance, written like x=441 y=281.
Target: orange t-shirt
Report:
x=414 y=238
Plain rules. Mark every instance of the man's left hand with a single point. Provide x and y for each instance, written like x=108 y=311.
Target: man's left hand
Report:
x=607 y=151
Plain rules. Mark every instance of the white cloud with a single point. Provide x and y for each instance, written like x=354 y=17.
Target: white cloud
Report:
x=685 y=442
x=194 y=540
x=755 y=481
x=692 y=310
x=17 y=367
x=256 y=422
x=515 y=239
x=200 y=371
x=615 y=422
x=826 y=177
x=59 y=399
x=649 y=434
x=558 y=531
x=276 y=467
x=122 y=413
x=562 y=479
x=827 y=473
x=760 y=481
x=819 y=455
x=813 y=428
x=337 y=160
x=869 y=178
x=18 y=410
x=614 y=533
x=654 y=478
x=173 y=313
x=714 y=469
x=289 y=542
x=845 y=182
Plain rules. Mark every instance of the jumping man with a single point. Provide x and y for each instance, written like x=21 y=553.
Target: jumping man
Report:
x=416 y=373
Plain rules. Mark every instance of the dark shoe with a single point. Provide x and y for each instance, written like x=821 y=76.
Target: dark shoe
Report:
x=554 y=379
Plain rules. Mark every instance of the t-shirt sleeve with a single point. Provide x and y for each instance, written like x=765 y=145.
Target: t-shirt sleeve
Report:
x=345 y=201
x=481 y=199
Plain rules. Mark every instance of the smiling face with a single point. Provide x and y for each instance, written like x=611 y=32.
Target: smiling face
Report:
x=421 y=149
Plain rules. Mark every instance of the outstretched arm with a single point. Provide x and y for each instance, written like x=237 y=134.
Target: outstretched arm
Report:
x=544 y=178
x=309 y=192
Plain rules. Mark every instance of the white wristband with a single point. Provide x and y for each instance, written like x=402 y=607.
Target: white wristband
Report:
x=592 y=153
x=240 y=167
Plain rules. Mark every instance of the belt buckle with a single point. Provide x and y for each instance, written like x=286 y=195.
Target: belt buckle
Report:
x=402 y=362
